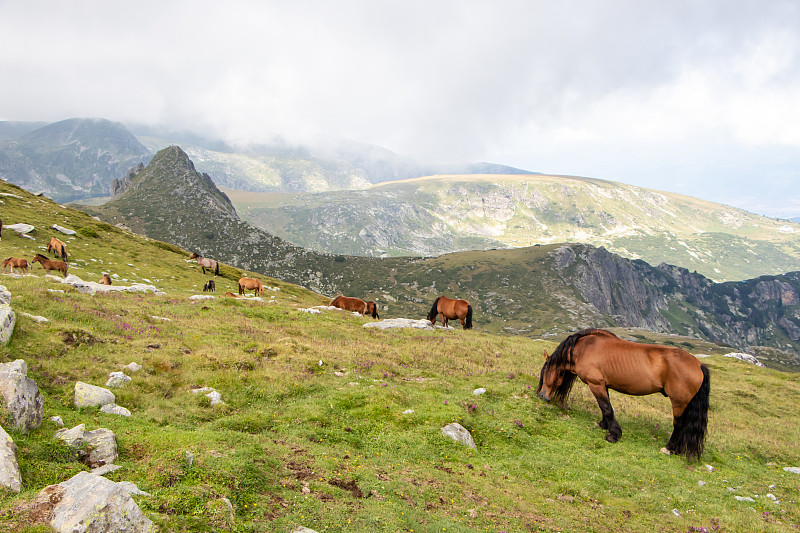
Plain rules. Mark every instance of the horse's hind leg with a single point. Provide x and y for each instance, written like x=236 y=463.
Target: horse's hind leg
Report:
x=609 y=421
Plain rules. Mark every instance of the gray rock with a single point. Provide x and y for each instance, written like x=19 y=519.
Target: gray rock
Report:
x=20 y=228
x=105 y=469
x=459 y=433
x=65 y=231
x=132 y=489
x=5 y=296
x=792 y=469
x=302 y=529
x=117 y=380
x=132 y=367
x=114 y=409
x=8 y=320
x=72 y=437
x=745 y=499
x=400 y=323
x=746 y=357
x=92 y=396
x=57 y=420
x=478 y=392
x=22 y=398
x=102 y=446
x=9 y=468
x=87 y=503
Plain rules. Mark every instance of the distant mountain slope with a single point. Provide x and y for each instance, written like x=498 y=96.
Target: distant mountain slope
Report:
x=440 y=214
x=539 y=290
x=71 y=159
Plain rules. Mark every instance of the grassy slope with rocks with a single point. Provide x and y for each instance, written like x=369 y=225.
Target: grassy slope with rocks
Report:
x=439 y=214
x=299 y=443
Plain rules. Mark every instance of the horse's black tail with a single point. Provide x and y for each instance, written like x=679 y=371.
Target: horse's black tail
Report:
x=468 y=319
x=216 y=268
x=692 y=425
x=433 y=312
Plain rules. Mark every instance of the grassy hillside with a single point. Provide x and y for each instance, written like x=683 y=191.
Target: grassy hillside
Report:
x=439 y=214
x=314 y=431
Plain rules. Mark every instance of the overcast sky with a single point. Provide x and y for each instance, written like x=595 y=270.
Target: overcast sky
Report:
x=699 y=97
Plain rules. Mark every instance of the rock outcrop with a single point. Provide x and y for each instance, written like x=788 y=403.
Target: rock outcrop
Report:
x=21 y=397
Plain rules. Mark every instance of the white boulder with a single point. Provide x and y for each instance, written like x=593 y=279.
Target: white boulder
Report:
x=92 y=396
x=459 y=433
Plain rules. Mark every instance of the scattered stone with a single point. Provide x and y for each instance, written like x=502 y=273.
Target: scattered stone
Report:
x=91 y=287
x=65 y=231
x=745 y=499
x=35 y=318
x=92 y=396
x=311 y=311
x=117 y=380
x=709 y=468
x=132 y=367
x=676 y=512
x=102 y=446
x=202 y=297
x=701 y=483
x=89 y=503
x=22 y=398
x=746 y=357
x=460 y=434
x=72 y=437
x=57 y=421
x=478 y=392
x=400 y=323
x=132 y=489
x=10 y=477
x=161 y=318
x=213 y=395
x=22 y=229
x=114 y=409
x=792 y=469
x=105 y=469
x=189 y=458
x=302 y=529
x=408 y=412
x=7 y=316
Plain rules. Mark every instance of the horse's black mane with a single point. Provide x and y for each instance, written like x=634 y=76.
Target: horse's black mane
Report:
x=433 y=312
x=559 y=360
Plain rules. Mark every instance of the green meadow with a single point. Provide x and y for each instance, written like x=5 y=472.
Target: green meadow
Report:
x=337 y=427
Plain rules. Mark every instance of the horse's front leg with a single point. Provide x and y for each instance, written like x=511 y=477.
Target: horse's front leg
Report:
x=609 y=421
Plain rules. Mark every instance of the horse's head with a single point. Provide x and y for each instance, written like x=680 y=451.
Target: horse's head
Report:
x=38 y=258
x=549 y=379
x=194 y=255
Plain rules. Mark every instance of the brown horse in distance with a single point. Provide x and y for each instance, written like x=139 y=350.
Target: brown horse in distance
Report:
x=604 y=361
x=206 y=263
x=16 y=262
x=50 y=264
x=105 y=280
x=247 y=284
x=357 y=305
x=58 y=248
x=451 y=308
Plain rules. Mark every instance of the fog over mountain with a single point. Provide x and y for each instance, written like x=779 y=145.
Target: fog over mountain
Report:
x=687 y=97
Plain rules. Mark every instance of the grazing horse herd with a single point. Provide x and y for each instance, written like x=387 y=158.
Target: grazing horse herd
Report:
x=597 y=357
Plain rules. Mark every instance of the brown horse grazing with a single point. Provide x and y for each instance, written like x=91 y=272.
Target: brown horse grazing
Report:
x=58 y=248
x=450 y=309
x=604 y=361
x=210 y=286
x=49 y=264
x=357 y=305
x=246 y=284
x=16 y=262
x=206 y=263
x=105 y=280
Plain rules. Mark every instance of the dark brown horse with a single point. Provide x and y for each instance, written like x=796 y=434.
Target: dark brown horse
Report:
x=50 y=264
x=604 y=361
x=251 y=284
x=450 y=309
x=356 y=305
x=210 y=286
x=58 y=248
x=16 y=262
x=206 y=263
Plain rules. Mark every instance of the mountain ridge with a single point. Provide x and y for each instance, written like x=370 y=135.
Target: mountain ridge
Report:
x=539 y=290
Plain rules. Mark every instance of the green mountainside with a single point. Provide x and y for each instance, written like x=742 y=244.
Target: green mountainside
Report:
x=440 y=214
x=540 y=290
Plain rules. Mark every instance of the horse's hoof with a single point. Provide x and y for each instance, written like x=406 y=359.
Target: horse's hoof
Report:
x=612 y=438
x=664 y=450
